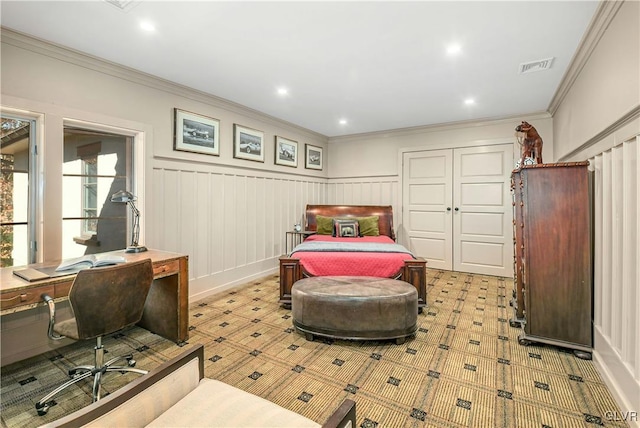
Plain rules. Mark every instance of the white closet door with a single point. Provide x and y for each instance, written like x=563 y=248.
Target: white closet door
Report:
x=457 y=211
x=483 y=214
x=426 y=213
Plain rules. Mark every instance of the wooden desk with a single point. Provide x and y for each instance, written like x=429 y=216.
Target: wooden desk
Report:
x=166 y=311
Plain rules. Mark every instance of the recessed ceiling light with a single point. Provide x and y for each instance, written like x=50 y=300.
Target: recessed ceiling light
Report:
x=454 y=49
x=469 y=101
x=147 y=26
x=283 y=91
x=343 y=121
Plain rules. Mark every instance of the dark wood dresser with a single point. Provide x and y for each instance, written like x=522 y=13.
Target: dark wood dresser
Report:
x=553 y=293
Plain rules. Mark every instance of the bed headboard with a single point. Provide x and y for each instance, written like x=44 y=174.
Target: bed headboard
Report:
x=384 y=213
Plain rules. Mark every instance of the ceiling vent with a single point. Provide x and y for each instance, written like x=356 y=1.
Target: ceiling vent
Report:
x=123 y=5
x=539 y=65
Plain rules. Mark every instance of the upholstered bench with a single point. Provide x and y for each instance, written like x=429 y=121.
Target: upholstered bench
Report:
x=176 y=394
x=354 y=307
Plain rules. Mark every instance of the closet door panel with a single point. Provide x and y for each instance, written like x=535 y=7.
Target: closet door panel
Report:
x=482 y=217
x=427 y=206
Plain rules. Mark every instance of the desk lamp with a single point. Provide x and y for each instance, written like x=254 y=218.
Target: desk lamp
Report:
x=122 y=196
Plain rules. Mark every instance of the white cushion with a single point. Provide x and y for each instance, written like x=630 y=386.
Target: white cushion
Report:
x=216 y=404
x=153 y=401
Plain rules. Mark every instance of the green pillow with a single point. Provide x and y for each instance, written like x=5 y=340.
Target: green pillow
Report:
x=369 y=226
x=324 y=225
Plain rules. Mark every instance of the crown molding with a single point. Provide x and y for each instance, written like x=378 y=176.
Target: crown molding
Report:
x=441 y=127
x=80 y=59
x=601 y=20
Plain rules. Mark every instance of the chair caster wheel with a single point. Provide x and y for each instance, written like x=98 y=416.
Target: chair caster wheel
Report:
x=524 y=342
x=42 y=409
x=131 y=362
x=583 y=355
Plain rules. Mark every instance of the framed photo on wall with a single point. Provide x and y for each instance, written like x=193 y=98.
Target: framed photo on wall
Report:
x=248 y=143
x=286 y=152
x=196 y=133
x=313 y=157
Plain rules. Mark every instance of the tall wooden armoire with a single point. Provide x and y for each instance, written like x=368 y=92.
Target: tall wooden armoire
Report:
x=553 y=293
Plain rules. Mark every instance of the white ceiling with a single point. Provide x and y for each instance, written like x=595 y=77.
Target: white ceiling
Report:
x=379 y=65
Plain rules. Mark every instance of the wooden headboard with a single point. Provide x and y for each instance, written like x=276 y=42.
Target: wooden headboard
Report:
x=384 y=213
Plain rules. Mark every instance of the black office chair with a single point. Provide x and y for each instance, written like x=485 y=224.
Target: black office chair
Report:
x=103 y=300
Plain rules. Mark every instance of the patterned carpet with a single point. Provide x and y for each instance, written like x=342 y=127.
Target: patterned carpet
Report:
x=464 y=368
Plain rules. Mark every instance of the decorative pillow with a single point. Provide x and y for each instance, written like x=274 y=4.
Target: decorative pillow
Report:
x=346 y=228
x=324 y=225
x=369 y=226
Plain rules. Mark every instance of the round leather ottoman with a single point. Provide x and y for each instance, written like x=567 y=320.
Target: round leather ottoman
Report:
x=357 y=308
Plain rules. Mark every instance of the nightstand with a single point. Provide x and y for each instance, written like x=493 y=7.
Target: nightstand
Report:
x=294 y=238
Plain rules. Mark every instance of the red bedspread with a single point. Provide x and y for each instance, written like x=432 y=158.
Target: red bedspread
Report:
x=383 y=265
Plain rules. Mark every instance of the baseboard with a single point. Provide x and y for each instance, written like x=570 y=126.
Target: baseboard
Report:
x=623 y=386
x=225 y=283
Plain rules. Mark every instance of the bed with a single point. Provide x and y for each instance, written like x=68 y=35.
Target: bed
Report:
x=375 y=254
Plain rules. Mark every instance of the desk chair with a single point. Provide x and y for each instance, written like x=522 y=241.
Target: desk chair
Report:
x=103 y=300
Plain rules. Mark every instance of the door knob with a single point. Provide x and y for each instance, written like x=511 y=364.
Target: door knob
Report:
x=448 y=208
x=457 y=209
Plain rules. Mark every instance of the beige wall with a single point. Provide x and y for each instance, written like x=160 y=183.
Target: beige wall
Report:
x=376 y=154
x=606 y=89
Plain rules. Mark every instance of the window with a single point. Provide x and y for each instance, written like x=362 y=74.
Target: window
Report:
x=96 y=165
x=17 y=191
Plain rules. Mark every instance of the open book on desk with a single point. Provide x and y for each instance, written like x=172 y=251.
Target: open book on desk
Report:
x=89 y=261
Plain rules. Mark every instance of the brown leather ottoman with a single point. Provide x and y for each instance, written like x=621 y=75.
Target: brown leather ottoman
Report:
x=354 y=307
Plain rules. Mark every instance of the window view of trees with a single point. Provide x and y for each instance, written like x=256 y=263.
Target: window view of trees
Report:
x=14 y=192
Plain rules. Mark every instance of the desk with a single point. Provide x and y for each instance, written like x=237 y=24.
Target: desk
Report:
x=166 y=312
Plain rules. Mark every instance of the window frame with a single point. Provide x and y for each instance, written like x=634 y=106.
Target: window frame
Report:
x=89 y=183
x=33 y=217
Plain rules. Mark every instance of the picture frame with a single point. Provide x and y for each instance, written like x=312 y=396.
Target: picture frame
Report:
x=286 y=152
x=248 y=143
x=196 y=133
x=313 y=157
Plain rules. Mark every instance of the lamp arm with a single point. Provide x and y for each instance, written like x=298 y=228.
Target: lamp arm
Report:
x=135 y=229
x=135 y=210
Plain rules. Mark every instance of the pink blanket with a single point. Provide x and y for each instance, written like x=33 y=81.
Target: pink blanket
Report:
x=327 y=263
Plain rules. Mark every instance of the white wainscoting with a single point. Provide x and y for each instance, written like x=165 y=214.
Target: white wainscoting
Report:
x=617 y=272
x=231 y=222
x=367 y=191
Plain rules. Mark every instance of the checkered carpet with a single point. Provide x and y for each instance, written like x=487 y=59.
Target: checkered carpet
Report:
x=464 y=368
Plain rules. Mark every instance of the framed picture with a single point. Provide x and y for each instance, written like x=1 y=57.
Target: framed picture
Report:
x=313 y=157
x=196 y=133
x=248 y=143
x=286 y=152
